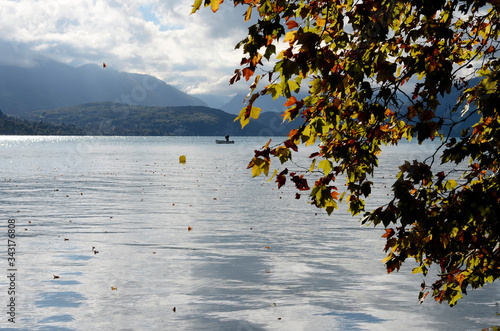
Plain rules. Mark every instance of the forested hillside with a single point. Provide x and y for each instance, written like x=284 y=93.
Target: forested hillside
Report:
x=15 y=126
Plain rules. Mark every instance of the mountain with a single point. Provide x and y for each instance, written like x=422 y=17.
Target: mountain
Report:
x=213 y=101
x=50 y=84
x=108 y=118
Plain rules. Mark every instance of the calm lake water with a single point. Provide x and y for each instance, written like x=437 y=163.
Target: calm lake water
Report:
x=110 y=217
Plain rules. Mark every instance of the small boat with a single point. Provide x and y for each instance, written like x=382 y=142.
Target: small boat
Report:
x=224 y=141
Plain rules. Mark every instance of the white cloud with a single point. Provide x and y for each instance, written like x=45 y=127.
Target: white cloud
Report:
x=159 y=37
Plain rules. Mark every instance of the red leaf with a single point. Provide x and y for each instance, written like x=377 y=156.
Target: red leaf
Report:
x=235 y=77
x=281 y=180
x=291 y=144
x=300 y=183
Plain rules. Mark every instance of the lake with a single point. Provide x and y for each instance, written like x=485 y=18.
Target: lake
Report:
x=112 y=233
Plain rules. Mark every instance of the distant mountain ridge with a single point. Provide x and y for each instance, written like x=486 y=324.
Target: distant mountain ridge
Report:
x=108 y=118
x=52 y=84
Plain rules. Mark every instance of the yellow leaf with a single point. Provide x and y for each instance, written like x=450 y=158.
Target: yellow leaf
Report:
x=249 y=13
x=255 y=112
x=215 y=5
x=290 y=36
x=274 y=174
x=293 y=85
x=320 y=21
x=196 y=6
x=244 y=115
x=451 y=184
x=387 y=258
x=265 y=167
x=267 y=144
x=256 y=59
x=313 y=164
x=255 y=170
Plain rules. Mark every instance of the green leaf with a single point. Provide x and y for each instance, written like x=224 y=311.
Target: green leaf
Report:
x=326 y=165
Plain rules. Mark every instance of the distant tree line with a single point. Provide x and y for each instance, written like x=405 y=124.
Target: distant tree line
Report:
x=14 y=126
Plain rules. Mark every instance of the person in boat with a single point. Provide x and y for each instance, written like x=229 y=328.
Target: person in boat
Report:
x=227 y=137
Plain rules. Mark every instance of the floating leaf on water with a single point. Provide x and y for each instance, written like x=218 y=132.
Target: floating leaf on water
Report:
x=267 y=247
x=56 y=277
x=114 y=288
x=173 y=309
x=182 y=159
x=66 y=239
x=190 y=228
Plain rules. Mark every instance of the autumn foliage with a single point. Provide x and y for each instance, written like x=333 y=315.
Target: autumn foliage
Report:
x=376 y=72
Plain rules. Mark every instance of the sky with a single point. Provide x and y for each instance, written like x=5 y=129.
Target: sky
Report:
x=194 y=53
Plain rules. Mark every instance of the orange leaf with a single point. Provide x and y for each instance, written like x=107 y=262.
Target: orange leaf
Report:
x=291 y=24
x=290 y=102
x=490 y=50
x=190 y=228
x=388 y=233
x=247 y=73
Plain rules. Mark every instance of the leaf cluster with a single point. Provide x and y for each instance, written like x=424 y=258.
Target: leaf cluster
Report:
x=376 y=73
